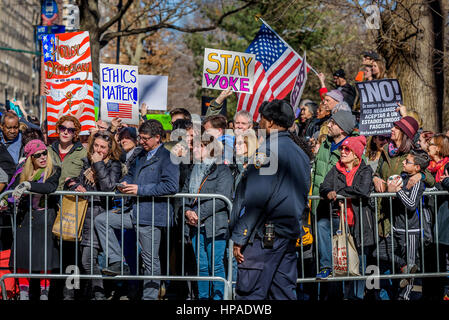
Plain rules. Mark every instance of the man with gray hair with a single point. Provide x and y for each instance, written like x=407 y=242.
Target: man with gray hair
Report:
x=242 y=121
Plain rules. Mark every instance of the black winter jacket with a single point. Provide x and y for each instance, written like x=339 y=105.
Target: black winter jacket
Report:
x=361 y=188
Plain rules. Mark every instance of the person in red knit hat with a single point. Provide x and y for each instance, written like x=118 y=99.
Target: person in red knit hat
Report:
x=351 y=177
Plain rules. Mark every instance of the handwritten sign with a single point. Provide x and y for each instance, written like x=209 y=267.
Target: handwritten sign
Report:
x=119 y=93
x=228 y=69
x=68 y=74
x=378 y=101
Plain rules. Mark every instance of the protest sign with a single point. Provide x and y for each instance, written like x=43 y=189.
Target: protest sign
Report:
x=224 y=69
x=164 y=119
x=205 y=104
x=153 y=91
x=378 y=101
x=119 y=93
x=68 y=74
x=300 y=83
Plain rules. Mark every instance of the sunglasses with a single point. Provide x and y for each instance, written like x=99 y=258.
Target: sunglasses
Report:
x=64 y=128
x=102 y=135
x=38 y=155
x=345 y=149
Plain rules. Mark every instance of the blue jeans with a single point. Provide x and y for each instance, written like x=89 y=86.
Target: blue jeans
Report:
x=325 y=240
x=205 y=265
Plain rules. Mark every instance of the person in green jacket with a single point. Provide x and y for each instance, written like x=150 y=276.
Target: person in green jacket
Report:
x=67 y=151
x=341 y=126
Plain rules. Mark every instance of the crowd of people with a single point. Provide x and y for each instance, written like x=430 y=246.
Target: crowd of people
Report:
x=319 y=152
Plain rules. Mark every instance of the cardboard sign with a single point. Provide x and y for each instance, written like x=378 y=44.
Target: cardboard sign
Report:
x=153 y=91
x=378 y=102
x=68 y=74
x=300 y=84
x=119 y=93
x=164 y=119
x=224 y=69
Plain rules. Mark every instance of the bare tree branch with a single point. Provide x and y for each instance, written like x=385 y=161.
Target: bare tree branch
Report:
x=163 y=25
x=116 y=18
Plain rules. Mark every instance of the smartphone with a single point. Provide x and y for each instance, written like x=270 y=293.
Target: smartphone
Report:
x=120 y=185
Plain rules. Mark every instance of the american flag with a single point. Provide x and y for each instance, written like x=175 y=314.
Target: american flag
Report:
x=121 y=110
x=70 y=93
x=277 y=66
x=47 y=45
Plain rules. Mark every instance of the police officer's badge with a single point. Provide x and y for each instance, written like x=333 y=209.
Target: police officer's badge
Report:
x=260 y=159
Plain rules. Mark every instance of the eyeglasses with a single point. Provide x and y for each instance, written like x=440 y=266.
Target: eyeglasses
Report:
x=38 y=155
x=144 y=139
x=64 y=128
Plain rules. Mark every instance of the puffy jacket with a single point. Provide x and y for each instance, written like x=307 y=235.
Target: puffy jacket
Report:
x=156 y=177
x=72 y=164
x=359 y=192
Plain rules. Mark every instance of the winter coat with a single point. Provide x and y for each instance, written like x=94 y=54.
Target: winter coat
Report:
x=387 y=167
x=41 y=229
x=156 y=177
x=361 y=188
x=218 y=180
x=442 y=223
x=107 y=175
x=72 y=164
x=279 y=197
x=324 y=161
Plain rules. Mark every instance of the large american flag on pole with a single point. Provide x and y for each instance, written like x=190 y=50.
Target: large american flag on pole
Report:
x=277 y=67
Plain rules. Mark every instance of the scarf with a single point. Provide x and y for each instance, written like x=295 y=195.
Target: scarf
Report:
x=349 y=180
x=437 y=168
x=392 y=150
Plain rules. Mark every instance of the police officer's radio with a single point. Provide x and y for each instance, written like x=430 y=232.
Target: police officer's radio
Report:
x=268 y=237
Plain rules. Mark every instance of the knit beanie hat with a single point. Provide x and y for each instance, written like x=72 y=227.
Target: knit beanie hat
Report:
x=356 y=144
x=341 y=106
x=336 y=95
x=408 y=125
x=345 y=120
x=34 y=146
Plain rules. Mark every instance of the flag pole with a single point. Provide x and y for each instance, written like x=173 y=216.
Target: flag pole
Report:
x=308 y=65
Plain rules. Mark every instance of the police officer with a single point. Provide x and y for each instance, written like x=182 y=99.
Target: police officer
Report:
x=270 y=208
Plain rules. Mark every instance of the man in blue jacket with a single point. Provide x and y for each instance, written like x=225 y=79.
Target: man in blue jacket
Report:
x=271 y=211
x=151 y=176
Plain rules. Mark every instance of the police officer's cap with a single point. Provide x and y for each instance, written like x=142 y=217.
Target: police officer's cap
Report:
x=279 y=111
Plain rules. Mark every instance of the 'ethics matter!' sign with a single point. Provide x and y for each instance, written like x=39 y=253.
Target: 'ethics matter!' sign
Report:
x=228 y=69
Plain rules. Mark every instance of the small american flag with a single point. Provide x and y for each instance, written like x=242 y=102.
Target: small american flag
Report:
x=277 y=66
x=47 y=43
x=121 y=110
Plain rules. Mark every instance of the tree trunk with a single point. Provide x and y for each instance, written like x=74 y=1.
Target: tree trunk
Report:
x=445 y=29
x=89 y=21
x=409 y=46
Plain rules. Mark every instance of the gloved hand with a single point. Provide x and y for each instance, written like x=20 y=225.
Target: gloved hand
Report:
x=20 y=189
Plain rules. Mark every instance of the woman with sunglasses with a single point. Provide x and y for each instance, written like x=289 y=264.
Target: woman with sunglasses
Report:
x=351 y=177
x=38 y=174
x=101 y=171
x=374 y=150
x=68 y=151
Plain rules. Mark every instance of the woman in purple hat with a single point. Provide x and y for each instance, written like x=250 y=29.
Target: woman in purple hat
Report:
x=38 y=174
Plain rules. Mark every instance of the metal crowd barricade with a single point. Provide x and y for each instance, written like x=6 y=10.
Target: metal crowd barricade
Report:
x=90 y=275
x=432 y=248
